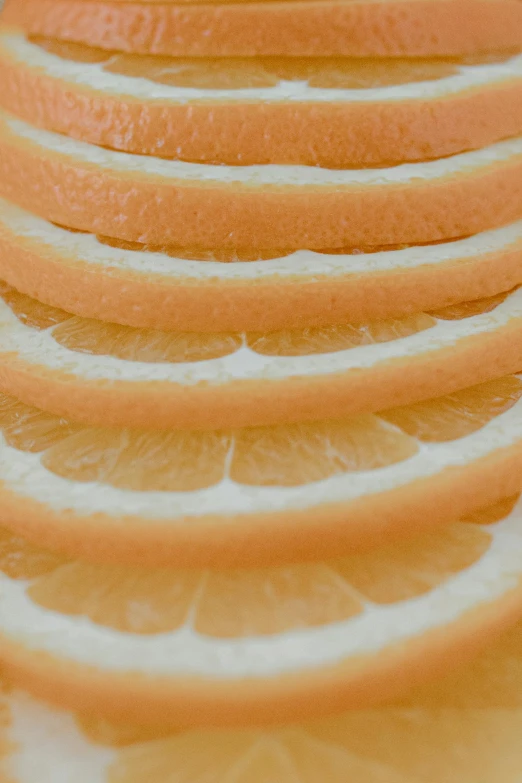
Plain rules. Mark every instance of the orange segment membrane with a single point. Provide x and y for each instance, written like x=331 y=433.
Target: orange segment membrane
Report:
x=261 y=72
x=296 y=454
x=143 y=345
x=303 y=342
x=113 y=735
x=238 y=603
x=223 y=255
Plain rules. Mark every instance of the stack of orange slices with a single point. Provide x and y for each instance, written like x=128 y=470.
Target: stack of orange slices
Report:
x=261 y=391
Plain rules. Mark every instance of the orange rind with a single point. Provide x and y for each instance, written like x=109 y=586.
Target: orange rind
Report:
x=354 y=29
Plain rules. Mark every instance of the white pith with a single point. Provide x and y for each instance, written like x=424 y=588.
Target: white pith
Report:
x=49 y=747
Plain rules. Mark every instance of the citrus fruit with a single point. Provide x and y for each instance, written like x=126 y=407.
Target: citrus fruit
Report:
x=107 y=374
x=383 y=29
x=136 y=197
x=466 y=727
x=259 y=494
x=177 y=288
x=263 y=110
x=245 y=646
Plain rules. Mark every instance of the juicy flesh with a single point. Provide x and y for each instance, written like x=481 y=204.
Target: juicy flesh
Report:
x=378 y=746
x=283 y=455
x=261 y=72
x=234 y=603
x=243 y=603
x=228 y=255
x=467 y=724
x=87 y=335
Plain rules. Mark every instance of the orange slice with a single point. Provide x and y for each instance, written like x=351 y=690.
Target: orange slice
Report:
x=263 y=110
x=356 y=29
x=468 y=729
x=177 y=288
x=236 y=647
x=135 y=197
x=257 y=495
x=103 y=373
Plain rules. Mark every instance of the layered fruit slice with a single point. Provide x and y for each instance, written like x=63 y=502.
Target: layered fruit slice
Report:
x=259 y=494
x=173 y=288
x=385 y=28
x=108 y=374
x=247 y=646
x=468 y=727
x=144 y=199
x=264 y=109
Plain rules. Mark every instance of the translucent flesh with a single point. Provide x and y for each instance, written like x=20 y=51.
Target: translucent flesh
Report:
x=242 y=603
x=368 y=746
x=282 y=455
x=247 y=72
x=86 y=335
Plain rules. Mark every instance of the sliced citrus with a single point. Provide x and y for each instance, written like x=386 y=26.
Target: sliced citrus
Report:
x=257 y=495
x=389 y=745
x=466 y=728
x=107 y=374
x=263 y=110
x=383 y=29
x=145 y=199
x=177 y=288
x=244 y=646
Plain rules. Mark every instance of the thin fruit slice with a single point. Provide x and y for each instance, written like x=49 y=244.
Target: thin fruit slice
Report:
x=464 y=727
x=177 y=288
x=467 y=725
x=234 y=647
x=257 y=495
x=355 y=29
x=106 y=374
x=432 y=741
x=263 y=110
x=144 y=199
